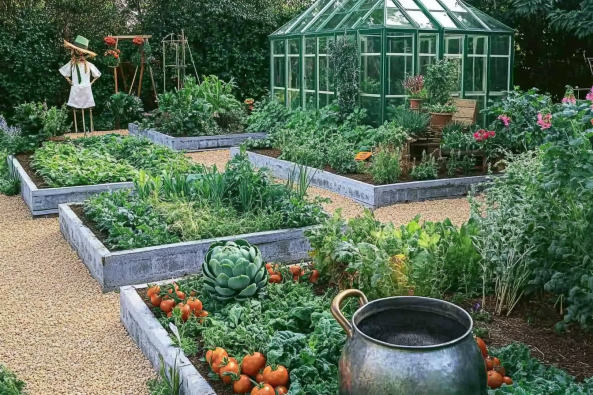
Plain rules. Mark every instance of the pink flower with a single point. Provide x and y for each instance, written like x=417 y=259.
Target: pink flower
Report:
x=483 y=135
x=590 y=95
x=505 y=119
x=491 y=133
x=545 y=121
x=569 y=99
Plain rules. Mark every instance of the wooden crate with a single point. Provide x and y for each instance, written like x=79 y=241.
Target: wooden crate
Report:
x=467 y=111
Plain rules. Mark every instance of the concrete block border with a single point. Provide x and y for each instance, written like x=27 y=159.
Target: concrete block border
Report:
x=146 y=265
x=45 y=201
x=154 y=341
x=194 y=143
x=367 y=194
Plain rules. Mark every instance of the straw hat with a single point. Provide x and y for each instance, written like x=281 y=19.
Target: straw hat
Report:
x=80 y=44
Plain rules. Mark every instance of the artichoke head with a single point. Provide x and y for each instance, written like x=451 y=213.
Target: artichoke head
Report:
x=234 y=270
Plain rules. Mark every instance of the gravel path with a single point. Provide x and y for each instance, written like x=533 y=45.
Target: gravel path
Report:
x=432 y=210
x=58 y=331
x=77 y=135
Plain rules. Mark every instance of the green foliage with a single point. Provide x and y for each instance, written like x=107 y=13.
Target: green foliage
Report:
x=384 y=260
x=183 y=113
x=168 y=383
x=391 y=134
x=531 y=377
x=267 y=116
x=427 y=169
x=522 y=133
x=62 y=165
x=10 y=383
x=344 y=57
x=385 y=166
x=234 y=271
x=128 y=221
x=414 y=122
x=441 y=79
x=36 y=121
x=456 y=136
x=456 y=162
x=55 y=122
x=205 y=204
x=227 y=110
x=124 y=109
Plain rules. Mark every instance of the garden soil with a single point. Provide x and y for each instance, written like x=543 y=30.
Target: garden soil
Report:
x=59 y=332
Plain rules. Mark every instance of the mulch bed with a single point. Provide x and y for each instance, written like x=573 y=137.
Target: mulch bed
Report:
x=25 y=161
x=367 y=177
x=533 y=323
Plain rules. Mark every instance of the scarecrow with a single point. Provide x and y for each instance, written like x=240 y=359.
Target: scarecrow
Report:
x=81 y=95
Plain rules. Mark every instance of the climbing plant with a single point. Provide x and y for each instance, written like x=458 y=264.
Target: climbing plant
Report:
x=343 y=54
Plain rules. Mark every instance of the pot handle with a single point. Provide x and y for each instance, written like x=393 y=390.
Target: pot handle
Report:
x=337 y=302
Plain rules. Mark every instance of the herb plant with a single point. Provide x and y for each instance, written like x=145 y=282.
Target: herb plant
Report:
x=414 y=122
x=385 y=166
x=427 y=169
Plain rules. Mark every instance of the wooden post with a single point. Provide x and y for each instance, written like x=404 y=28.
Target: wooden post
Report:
x=142 y=59
x=133 y=80
x=75 y=125
x=115 y=68
x=153 y=85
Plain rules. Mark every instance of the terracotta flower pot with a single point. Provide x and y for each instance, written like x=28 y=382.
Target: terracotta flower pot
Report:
x=415 y=104
x=439 y=120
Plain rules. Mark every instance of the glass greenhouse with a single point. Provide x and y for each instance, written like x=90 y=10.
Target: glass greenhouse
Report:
x=395 y=38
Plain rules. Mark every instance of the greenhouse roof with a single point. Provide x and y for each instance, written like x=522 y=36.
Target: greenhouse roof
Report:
x=340 y=15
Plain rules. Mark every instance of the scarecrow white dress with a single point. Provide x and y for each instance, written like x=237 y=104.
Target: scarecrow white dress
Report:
x=81 y=95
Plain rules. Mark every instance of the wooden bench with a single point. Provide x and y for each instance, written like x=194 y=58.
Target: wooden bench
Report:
x=467 y=111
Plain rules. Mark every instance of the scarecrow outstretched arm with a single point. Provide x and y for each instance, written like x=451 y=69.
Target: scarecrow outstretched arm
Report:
x=94 y=79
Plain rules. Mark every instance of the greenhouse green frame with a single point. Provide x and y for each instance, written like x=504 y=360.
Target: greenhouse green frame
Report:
x=395 y=38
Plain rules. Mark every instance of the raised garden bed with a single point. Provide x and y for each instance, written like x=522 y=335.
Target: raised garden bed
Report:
x=113 y=269
x=44 y=201
x=194 y=143
x=154 y=341
x=369 y=195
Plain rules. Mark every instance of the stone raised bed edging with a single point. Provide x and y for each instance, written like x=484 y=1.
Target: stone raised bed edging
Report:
x=154 y=341
x=146 y=265
x=194 y=143
x=46 y=200
x=367 y=194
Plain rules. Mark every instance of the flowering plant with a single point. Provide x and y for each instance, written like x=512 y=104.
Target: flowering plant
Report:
x=249 y=103
x=414 y=86
x=544 y=121
x=138 y=41
x=505 y=119
x=110 y=41
x=569 y=97
x=112 y=57
x=483 y=135
x=590 y=95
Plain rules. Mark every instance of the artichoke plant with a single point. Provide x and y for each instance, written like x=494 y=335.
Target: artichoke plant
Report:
x=234 y=270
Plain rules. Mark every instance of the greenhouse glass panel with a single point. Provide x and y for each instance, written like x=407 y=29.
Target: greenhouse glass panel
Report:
x=295 y=98
x=293 y=72
x=407 y=4
x=326 y=74
x=278 y=47
x=491 y=22
x=310 y=100
x=432 y=5
x=427 y=54
x=310 y=46
x=475 y=66
x=396 y=18
x=374 y=19
x=463 y=14
x=391 y=103
x=335 y=20
x=444 y=20
x=370 y=74
x=501 y=45
x=359 y=13
x=325 y=99
x=399 y=44
x=454 y=50
x=421 y=19
x=279 y=95
x=477 y=45
x=310 y=73
x=293 y=47
x=312 y=13
x=370 y=44
x=499 y=73
x=398 y=67
x=279 y=72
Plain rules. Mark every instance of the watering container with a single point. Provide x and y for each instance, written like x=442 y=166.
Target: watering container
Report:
x=408 y=345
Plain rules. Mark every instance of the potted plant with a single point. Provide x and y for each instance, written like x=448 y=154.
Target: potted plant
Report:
x=414 y=87
x=441 y=79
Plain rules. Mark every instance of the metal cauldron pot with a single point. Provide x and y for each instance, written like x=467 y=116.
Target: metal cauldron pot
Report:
x=408 y=346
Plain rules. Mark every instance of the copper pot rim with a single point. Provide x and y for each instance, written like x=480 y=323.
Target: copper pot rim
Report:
x=396 y=346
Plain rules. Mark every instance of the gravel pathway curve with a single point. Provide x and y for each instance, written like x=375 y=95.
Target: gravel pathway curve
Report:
x=58 y=331
x=431 y=210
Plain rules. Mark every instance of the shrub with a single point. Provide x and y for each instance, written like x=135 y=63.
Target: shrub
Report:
x=267 y=116
x=344 y=57
x=442 y=79
x=385 y=167
x=414 y=122
x=427 y=169
x=124 y=109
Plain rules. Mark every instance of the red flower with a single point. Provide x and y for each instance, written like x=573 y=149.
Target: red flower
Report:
x=491 y=134
x=110 y=41
x=116 y=56
x=138 y=41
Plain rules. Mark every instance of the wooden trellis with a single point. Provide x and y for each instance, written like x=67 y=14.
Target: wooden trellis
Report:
x=180 y=45
x=141 y=67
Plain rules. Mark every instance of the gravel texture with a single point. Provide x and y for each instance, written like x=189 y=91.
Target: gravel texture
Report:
x=77 y=135
x=58 y=331
x=431 y=210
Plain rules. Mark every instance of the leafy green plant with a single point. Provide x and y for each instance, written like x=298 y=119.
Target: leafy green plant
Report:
x=344 y=56
x=167 y=384
x=29 y=118
x=55 y=121
x=457 y=136
x=391 y=134
x=234 y=271
x=226 y=109
x=10 y=182
x=10 y=384
x=441 y=79
x=456 y=161
x=124 y=108
x=427 y=169
x=385 y=166
x=414 y=122
x=267 y=116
